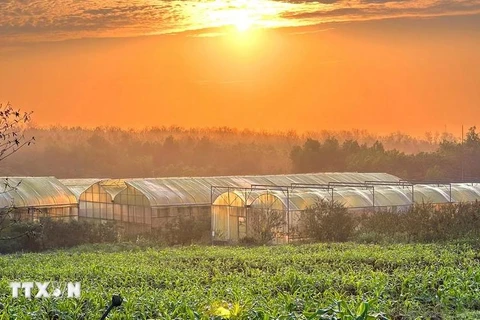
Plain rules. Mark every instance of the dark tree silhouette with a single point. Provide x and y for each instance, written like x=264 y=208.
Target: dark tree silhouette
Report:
x=453 y=160
x=12 y=139
x=12 y=124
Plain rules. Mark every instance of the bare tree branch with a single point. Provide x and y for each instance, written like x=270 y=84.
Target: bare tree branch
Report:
x=12 y=139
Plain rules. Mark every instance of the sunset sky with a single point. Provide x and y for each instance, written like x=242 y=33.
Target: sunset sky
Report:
x=384 y=66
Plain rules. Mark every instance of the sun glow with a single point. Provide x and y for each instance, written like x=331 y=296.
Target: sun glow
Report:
x=241 y=15
x=242 y=21
x=240 y=18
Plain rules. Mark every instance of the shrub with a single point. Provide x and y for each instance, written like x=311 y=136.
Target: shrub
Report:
x=327 y=221
x=49 y=234
x=265 y=225
x=423 y=223
x=185 y=230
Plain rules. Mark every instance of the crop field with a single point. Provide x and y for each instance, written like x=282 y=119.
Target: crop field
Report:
x=319 y=281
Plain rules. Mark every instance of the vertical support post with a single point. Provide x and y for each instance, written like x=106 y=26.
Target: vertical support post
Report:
x=288 y=216
x=450 y=192
x=113 y=209
x=229 y=212
x=228 y=222
x=212 y=216
x=373 y=197
x=246 y=207
x=128 y=206
x=413 y=195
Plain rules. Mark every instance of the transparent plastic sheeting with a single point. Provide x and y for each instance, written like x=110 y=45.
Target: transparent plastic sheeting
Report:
x=351 y=197
x=113 y=187
x=35 y=192
x=79 y=186
x=197 y=191
x=161 y=192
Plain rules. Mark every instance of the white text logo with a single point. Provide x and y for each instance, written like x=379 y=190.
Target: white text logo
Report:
x=45 y=289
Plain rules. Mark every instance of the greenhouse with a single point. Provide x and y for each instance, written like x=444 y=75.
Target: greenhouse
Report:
x=158 y=202
x=31 y=197
x=230 y=208
x=95 y=198
x=239 y=213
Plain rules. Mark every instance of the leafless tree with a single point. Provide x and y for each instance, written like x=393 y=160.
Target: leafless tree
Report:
x=12 y=125
x=12 y=139
x=266 y=224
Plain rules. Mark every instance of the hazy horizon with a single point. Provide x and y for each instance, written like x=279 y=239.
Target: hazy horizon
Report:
x=456 y=133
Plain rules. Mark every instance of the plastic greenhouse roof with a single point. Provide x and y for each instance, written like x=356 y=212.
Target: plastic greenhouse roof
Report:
x=49 y=191
x=113 y=187
x=79 y=186
x=351 y=197
x=197 y=190
x=34 y=192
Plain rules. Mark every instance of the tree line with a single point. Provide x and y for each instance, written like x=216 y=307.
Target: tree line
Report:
x=452 y=160
x=110 y=152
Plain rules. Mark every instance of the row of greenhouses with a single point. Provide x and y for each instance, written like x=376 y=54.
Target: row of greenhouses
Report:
x=233 y=204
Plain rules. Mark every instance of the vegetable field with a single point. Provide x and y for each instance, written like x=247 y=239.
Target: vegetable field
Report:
x=323 y=281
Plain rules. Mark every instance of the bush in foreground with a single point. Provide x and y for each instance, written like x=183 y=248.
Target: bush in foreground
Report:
x=47 y=234
x=423 y=223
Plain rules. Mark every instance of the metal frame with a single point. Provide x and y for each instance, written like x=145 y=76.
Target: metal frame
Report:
x=247 y=191
x=330 y=187
x=438 y=183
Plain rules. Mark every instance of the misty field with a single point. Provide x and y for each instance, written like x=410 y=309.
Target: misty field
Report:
x=285 y=282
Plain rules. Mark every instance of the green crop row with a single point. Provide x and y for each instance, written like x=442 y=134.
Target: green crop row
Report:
x=321 y=281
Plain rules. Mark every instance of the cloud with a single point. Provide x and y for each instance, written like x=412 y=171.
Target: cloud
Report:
x=373 y=9
x=311 y=31
x=49 y=20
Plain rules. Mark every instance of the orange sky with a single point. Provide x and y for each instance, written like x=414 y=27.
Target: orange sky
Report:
x=407 y=74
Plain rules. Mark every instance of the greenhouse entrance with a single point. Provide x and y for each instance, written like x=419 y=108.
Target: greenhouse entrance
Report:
x=249 y=215
x=229 y=224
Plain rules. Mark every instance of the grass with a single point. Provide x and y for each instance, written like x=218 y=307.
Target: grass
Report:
x=402 y=281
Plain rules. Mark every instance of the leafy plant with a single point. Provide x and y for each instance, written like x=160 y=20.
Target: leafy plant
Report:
x=341 y=311
x=402 y=281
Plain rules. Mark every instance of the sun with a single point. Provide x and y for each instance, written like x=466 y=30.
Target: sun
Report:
x=242 y=21
x=243 y=26
x=238 y=16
